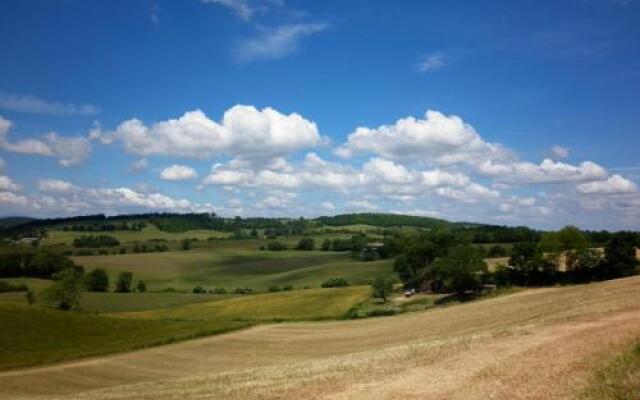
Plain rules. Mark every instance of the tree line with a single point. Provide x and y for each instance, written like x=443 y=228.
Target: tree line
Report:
x=444 y=261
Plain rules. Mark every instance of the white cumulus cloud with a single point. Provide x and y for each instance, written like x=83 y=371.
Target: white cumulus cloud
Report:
x=178 y=173
x=244 y=131
x=615 y=184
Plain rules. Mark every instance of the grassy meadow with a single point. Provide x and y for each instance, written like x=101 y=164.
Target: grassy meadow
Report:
x=150 y=232
x=231 y=268
x=295 y=305
x=33 y=335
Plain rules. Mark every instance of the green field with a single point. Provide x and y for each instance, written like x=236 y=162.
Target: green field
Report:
x=311 y=304
x=122 y=302
x=36 y=335
x=231 y=268
x=70 y=335
x=150 y=232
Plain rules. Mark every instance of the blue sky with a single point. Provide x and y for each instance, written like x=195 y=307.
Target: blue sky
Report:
x=281 y=107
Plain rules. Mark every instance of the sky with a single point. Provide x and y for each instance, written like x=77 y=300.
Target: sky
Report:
x=502 y=112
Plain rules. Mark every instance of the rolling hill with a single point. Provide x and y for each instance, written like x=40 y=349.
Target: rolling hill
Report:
x=534 y=344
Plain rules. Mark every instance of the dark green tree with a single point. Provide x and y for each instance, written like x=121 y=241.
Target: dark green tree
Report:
x=141 y=287
x=305 y=244
x=123 y=284
x=620 y=256
x=326 y=245
x=460 y=270
x=97 y=280
x=413 y=265
x=65 y=292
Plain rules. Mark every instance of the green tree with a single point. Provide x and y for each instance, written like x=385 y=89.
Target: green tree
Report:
x=571 y=238
x=65 y=292
x=413 y=265
x=123 y=284
x=97 y=280
x=326 y=245
x=141 y=287
x=585 y=265
x=620 y=256
x=523 y=256
x=305 y=244
x=381 y=287
x=460 y=270
x=551 y=247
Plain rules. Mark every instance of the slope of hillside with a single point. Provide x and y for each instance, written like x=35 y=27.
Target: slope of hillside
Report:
x=536 y=344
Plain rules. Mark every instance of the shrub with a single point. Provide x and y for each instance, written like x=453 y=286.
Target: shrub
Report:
x=186 y=244
x=381 y=312
x=288 y=287
x=335 y=282
x=141 y=287
x=274 y=289
x=243 y=290
x=220 y=291
x=276 y=246
x=198 y=290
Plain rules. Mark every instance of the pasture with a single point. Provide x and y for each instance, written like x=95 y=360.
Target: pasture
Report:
x=150 y=232
x=230 y=268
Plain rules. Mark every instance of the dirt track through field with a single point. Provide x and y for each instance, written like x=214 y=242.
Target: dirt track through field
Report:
x=537 y=344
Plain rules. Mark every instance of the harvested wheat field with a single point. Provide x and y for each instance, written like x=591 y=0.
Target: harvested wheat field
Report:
x=534 y=344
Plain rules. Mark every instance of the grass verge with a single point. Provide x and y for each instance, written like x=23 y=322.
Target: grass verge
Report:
x=619 y=379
